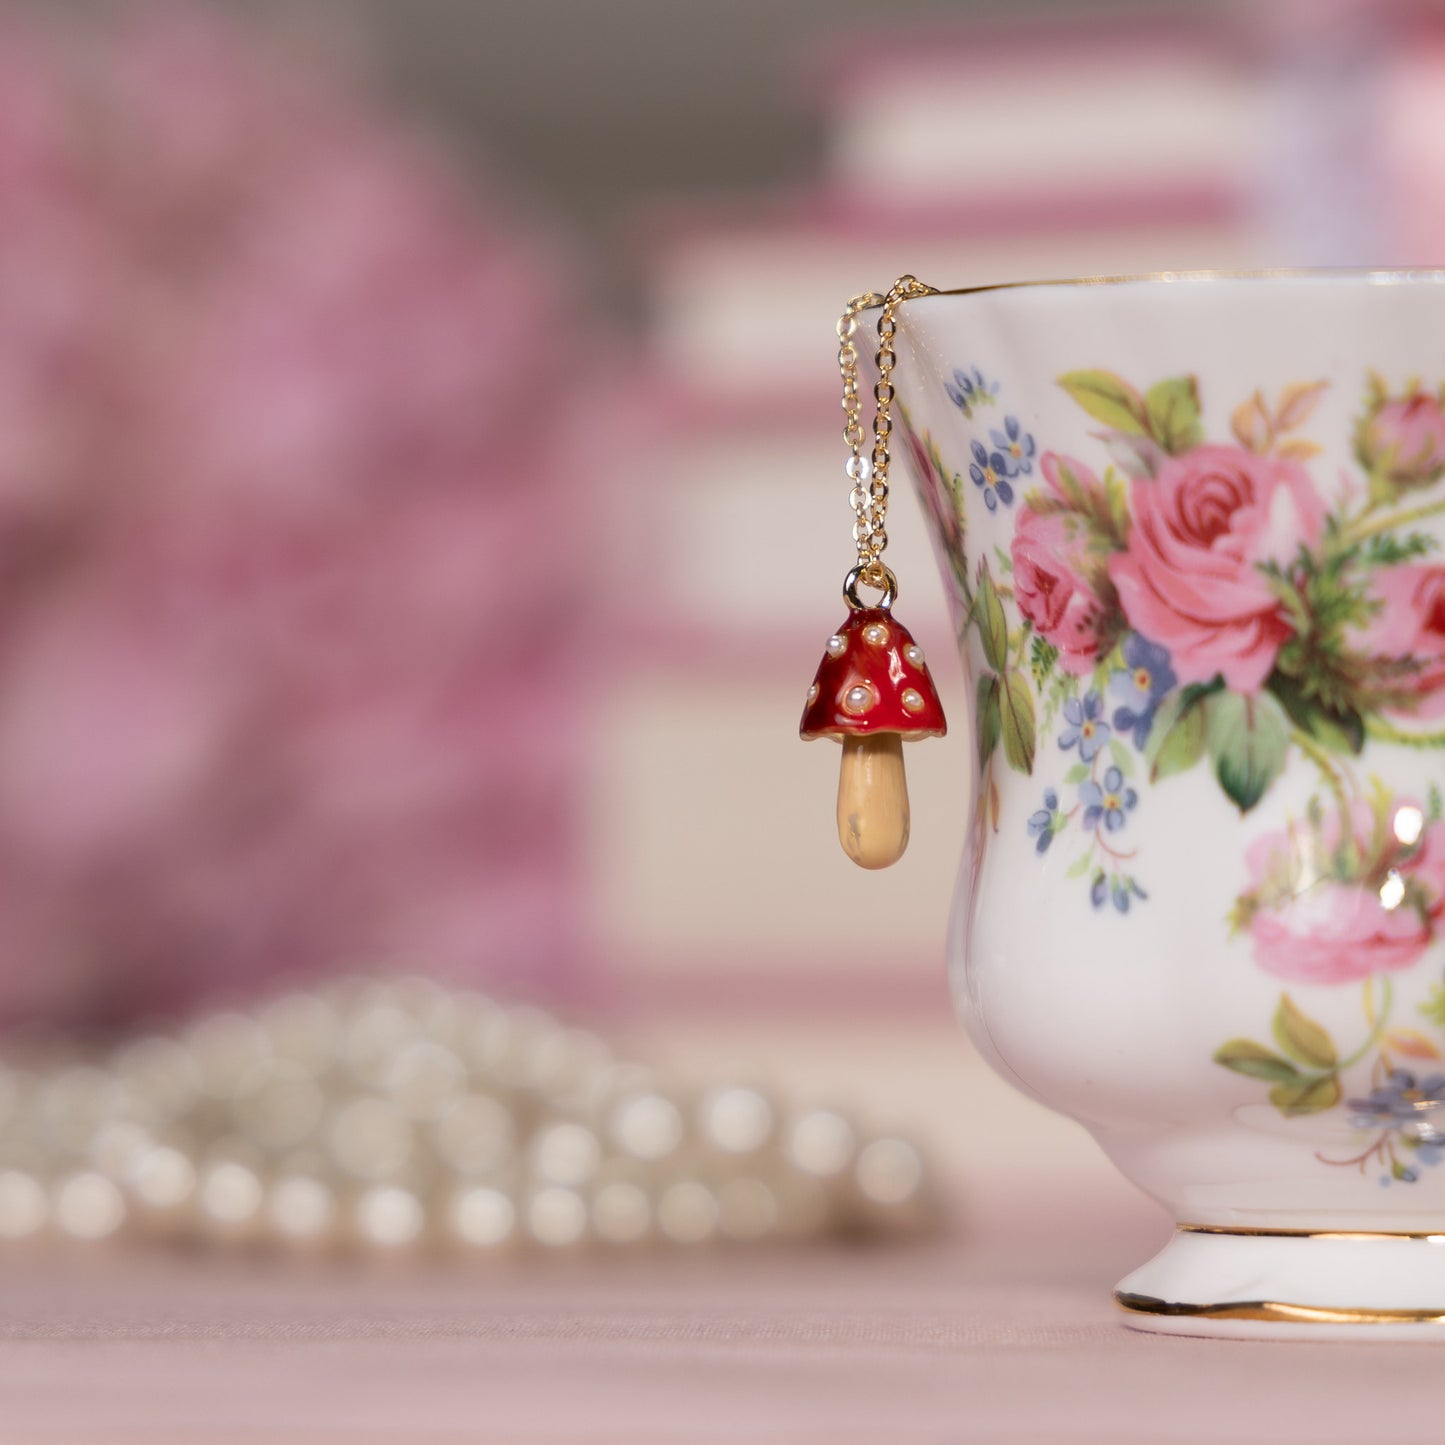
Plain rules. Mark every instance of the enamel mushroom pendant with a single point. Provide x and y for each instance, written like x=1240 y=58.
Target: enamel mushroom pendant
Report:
x=873 y=693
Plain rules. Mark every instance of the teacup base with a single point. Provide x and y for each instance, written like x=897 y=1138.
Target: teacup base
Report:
x=1240 y=1283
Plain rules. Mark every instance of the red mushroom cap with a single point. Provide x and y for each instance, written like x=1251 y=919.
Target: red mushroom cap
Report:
x=872 y=679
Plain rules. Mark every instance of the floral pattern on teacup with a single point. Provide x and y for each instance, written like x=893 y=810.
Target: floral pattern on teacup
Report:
x=1192 y=601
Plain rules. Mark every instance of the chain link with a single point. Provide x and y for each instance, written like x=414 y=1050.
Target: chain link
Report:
x=869 y=475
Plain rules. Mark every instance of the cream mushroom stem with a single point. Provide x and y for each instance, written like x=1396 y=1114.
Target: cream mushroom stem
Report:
x=873 y=800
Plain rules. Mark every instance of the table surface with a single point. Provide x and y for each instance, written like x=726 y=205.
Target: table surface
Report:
x=973 y=1338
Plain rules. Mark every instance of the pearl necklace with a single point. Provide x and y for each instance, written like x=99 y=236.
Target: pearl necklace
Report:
x=405 y=1114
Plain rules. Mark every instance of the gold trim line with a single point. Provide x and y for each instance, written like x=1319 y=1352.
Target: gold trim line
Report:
x=1375 y=276
x=1274 y=1312
x=1430 y=1236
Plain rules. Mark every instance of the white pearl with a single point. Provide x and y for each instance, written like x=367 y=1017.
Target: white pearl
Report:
x=565 y=1060
x=371 y=1138
x=474 y=1136
x=483 y=1217
x=302 y=1027
x=889 y=1171
x=648 y=1126
x=687 y=1212
x=301 y=1209
x=736 y=1120
x=389 y=1216
x=424 y=1079
x=821 y=1143
x=875 y=634
x=565 y=1153
x=858 y=699
x=858 y=468
x=913 y=655
x=506 y=1045
x=162 y=1177
x=277 y=1103
x=88 y=1206
x=23 y=1205
x=230 y=1194
x=836 y=646
x=226 y=1046
x=116 y=1145
x=161 y=1073
x=556 y=1217
x=373 y=1036
x=73 y=1104
x=912 y=699
x=812 y=694
x=621 y=1213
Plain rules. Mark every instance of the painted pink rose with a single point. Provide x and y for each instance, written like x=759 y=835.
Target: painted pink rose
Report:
x=1411 y=623
x=1313 y=926
x=1190 y=578
x=1403 y=440
x=1052 y=577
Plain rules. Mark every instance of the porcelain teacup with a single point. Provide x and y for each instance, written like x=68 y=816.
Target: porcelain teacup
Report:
x=1191 y=528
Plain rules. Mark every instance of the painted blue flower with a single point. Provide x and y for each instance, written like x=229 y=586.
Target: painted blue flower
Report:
x=1041 y=822
x=1430 y=1154
x=1108 y=803
x=1084 y=726
x=990 y=472
x=1015 y=446
x=1099 y=890
x=968 y=389
x=1402 y=1101
x=1140 y=686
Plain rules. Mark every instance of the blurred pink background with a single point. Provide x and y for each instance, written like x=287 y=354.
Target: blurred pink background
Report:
x=421 y=510
x=420 y=501
x=289 y=613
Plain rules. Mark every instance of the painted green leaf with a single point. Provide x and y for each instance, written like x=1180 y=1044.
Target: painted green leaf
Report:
x=1080 y=865
x=1109 y=399
x=1434 y=1006
x=1341 y=732
x=1176 y=740
x=1172 y=412
x=992 y=624
x=1301 y=1037
x=1123 y=759
x=1245 y=1056
x=1077 y=773
x=1247 y=737
x=1309 y=1096
x=989 y=721
x=1017 y=706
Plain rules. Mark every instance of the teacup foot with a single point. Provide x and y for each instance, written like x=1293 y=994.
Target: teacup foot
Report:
x=1263 y=1283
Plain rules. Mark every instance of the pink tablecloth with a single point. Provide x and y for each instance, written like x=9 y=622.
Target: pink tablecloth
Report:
x=992 y=1341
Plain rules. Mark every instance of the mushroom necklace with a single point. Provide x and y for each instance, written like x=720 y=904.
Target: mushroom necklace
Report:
x=873 y=691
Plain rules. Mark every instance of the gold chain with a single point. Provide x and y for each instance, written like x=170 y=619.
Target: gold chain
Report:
x=869 y=475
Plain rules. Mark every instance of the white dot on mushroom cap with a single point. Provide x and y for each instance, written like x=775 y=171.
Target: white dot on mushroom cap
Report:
x=913 y=653
x=837 y=646
x=858 y=699
x=876 y=634
x=813 y=693
x=912 y=699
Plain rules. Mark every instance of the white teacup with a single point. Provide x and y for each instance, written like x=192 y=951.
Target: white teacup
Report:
x=1193 y=531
